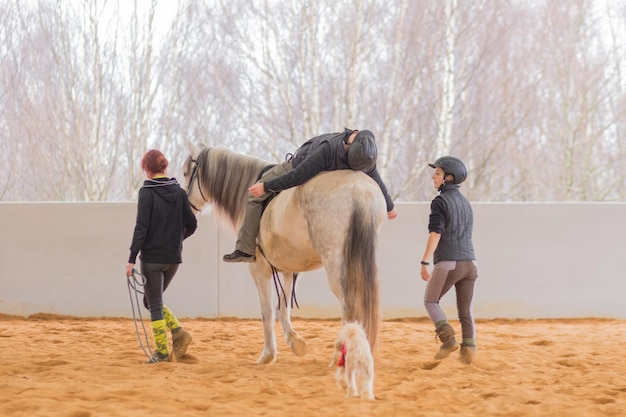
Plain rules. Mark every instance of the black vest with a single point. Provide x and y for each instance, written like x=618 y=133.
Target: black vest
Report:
x=456 y=241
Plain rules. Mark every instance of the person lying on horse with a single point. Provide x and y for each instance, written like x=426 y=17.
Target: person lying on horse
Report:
x=350 y=149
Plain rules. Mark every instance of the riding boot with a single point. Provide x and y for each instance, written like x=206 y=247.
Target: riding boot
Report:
x=445 y=333
x=239 y=256
x=468 y=352
x=159 y=331
x=180 y=337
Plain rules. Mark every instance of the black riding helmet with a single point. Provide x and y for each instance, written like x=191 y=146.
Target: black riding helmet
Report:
x=362 y=152
x=451 y=165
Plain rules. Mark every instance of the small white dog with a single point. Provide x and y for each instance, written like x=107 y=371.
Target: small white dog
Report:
x=355 y=362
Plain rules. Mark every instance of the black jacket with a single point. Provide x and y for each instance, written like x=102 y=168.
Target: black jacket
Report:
x=321 y=153
x=164 y=220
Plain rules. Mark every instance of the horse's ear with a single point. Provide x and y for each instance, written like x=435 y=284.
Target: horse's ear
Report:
x=194 y=150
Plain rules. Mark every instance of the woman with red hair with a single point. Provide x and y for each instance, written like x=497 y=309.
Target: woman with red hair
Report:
x=164 y=220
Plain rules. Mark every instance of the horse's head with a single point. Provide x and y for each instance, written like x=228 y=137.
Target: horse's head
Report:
x=220 y=177
x=196 y=197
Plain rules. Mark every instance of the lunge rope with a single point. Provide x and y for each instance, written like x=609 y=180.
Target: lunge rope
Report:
x=134 y=281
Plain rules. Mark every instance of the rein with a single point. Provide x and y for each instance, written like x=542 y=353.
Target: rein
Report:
x=133 y=283
x=278 y=282
x=194 y=174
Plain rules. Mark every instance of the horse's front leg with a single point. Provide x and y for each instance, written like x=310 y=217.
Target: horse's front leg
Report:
x=293 y=339
x=263 y=284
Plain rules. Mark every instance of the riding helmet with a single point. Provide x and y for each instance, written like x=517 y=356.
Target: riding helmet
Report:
x=451 y=165
x=362 y=152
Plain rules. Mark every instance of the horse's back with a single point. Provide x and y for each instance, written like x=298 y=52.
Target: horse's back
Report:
x=335 y=192
x=304 y=224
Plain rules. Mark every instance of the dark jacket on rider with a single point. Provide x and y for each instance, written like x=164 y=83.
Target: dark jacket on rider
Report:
x=326 y=152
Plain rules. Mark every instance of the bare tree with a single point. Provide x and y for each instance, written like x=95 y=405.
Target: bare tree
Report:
x=9 y=153
x=529 y=94
x=59 y=106
x=448 y=79
x=573 y=111
x=201 y=85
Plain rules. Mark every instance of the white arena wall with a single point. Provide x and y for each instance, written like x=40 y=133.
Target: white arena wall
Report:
x=535 y=260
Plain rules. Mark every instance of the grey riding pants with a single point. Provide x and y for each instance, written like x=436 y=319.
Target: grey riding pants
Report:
x=462 y=275
x=249 y=230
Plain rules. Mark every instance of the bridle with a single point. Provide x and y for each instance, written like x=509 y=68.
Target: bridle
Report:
x=194 y=175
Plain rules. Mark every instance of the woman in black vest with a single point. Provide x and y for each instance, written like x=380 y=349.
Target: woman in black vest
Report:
x=450 y=245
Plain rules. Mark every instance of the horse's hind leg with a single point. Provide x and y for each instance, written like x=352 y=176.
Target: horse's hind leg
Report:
x=297 y=344
x=263 y=282
x=334 y=271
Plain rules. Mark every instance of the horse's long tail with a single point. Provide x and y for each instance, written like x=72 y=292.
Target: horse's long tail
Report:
x=360 y=286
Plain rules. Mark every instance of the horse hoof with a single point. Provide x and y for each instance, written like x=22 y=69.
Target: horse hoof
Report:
x=298 y=346
x=266 y=359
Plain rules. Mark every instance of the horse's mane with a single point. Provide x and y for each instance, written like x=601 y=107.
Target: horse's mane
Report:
x=225 y=177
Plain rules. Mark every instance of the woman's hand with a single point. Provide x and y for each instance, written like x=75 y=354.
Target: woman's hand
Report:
x=424 y=272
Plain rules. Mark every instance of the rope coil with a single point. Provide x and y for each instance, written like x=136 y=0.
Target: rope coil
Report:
x=134 y=281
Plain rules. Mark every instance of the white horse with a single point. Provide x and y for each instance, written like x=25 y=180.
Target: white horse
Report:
x=332 y=221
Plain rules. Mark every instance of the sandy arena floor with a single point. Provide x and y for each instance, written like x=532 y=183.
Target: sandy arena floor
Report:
x=73 y=367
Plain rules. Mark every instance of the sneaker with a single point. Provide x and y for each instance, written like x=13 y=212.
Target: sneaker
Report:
x=158 y=357
x=239 y=256
x=180 y=341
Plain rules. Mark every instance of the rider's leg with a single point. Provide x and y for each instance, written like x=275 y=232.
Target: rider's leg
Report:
x=246 y=240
